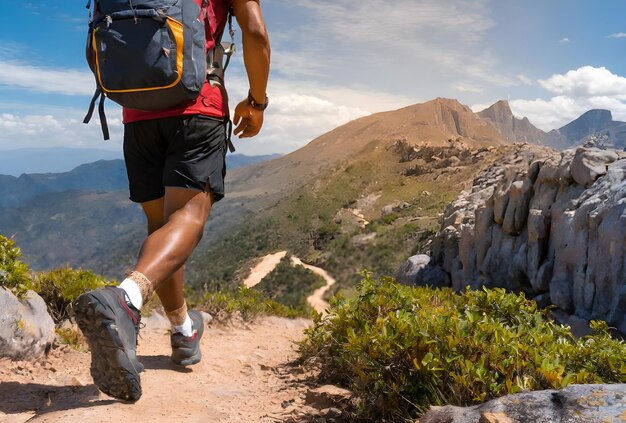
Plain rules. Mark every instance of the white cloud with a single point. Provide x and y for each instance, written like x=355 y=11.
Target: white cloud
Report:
x=587 y=81
x=58 y=128
x=357 y=38
x=617 y=35
x=467 y=88
x=524 y=79
x=564 y=40
x=42 y=79
x=576 y=92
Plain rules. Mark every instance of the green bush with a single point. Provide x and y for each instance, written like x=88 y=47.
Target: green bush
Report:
x=60 y=287
x=14 y=274
x=402 y=349
x=249 y=303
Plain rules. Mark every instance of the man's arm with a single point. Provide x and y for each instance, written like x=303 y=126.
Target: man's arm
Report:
x=256 y=57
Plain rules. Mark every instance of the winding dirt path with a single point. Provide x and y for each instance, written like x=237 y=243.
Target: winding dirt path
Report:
x=243 y=377
x=270 y=261
x=263 y=268
x=316 y=299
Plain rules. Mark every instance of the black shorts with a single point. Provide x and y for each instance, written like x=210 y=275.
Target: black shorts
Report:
x=181 y=151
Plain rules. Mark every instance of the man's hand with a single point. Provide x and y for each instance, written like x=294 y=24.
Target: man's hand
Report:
x=247 y=119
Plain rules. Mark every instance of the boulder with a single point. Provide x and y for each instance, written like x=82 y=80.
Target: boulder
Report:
x=26 y=328
x=590 y=163
x=417 y=271
x=573 y=404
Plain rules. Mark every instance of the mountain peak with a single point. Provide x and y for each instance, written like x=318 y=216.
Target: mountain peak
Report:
x=497 y=111
x=514 y=129
x=599 y=115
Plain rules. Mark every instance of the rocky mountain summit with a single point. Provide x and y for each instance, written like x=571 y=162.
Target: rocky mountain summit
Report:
x=594 y=124
x=550 y=224
x=514 y=129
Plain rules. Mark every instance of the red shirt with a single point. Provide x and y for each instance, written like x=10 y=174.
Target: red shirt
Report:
x=210 y=102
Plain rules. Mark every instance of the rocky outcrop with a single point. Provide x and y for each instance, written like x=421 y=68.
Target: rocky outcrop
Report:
x=26 y=328
x=574 y=404
x=545 y=223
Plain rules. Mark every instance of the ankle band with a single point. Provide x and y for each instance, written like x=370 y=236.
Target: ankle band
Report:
x=144 y=284
x=177 y=317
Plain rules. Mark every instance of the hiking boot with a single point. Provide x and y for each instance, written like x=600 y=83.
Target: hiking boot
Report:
x=111 y=325
x=186 y=349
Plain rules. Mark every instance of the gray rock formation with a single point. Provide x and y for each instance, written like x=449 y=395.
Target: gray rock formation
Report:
x=26 y=328
x=544 y=222
x=573 y=404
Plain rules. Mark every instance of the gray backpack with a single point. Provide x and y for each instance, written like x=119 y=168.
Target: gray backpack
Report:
x=150 y=54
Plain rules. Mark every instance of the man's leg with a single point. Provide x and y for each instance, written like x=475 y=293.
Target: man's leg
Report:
x=166 y=249
x=170 y=292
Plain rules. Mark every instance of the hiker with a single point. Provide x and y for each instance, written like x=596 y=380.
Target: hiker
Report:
x=175 y=164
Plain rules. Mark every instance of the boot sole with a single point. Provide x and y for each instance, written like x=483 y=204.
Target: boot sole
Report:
x=112 y=368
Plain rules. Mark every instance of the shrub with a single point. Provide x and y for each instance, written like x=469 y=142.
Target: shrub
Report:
x=402 y=349
x=14 y=274
x=60 y=287
x=249 y=303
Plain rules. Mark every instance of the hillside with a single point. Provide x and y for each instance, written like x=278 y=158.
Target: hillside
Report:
x=83 y=217
x=433 y=123
x=361 y=196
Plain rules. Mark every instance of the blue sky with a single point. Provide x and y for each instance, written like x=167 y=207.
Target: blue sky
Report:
x=333 y=61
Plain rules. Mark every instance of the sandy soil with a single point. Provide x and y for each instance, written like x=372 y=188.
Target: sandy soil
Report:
x=263 y=268
x=245 y=376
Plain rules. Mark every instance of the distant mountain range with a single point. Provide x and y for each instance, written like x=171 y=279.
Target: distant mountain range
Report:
x=103 y=175
x=50 y=160
x=596 y=125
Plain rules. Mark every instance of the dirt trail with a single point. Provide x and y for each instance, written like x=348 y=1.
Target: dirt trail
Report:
x=270 y=261
x=316 y=299
x=263 y=268
x=244 y=376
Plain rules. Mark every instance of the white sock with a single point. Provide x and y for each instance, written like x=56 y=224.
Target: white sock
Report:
x=134 y=293
x=186 y=329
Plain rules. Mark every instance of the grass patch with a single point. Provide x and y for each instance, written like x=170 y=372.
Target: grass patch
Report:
x=402 y=349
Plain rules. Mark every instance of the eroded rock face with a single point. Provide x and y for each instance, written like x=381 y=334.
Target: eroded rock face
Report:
x=26 y=328
x=574 y=404
x=544 y=222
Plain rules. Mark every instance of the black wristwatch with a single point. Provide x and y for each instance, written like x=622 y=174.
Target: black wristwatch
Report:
x=256 y=105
